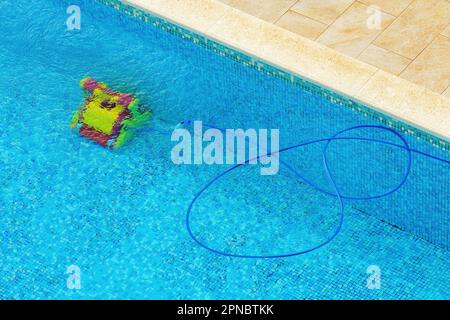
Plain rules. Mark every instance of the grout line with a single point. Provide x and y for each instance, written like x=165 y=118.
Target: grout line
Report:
x=385 y=12
x=343 y=12
x=305 y=16
x=380 y=32
x=377 y=36
x=286 y=11
x=412 y=60
x=302 y=15
x=368 y=80
x=331 y=24
x=400 y=14
x=442 y=32
x=390 y=51
x=231 y=8
x=217 y=20
x=327 y=24
x=409 y=64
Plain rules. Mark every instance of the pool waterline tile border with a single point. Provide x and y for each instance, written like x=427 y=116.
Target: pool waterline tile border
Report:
x=261 y=65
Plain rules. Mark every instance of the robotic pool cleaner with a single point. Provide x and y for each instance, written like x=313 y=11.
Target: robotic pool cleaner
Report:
x=106 y=115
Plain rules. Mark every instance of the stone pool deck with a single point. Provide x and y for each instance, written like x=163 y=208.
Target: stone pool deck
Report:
x=408 y=38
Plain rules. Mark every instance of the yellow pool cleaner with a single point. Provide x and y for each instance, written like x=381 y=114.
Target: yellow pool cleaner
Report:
x=106 y=115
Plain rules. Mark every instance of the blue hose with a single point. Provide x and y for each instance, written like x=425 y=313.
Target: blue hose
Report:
x=336 y=193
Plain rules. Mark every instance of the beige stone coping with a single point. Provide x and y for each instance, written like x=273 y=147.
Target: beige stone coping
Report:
x=380 y=90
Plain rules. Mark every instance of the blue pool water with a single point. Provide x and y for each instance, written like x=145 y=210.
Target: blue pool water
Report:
x=120 y=216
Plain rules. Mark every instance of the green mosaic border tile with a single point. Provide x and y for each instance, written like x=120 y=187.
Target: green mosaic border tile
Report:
x=262 y=66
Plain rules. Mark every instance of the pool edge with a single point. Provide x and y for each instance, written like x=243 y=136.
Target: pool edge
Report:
x=379 y=90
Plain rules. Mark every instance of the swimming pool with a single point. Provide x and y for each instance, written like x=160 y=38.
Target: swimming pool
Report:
x=120 y=216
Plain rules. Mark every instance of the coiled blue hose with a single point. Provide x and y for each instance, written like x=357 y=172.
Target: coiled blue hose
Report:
x=336 y=193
